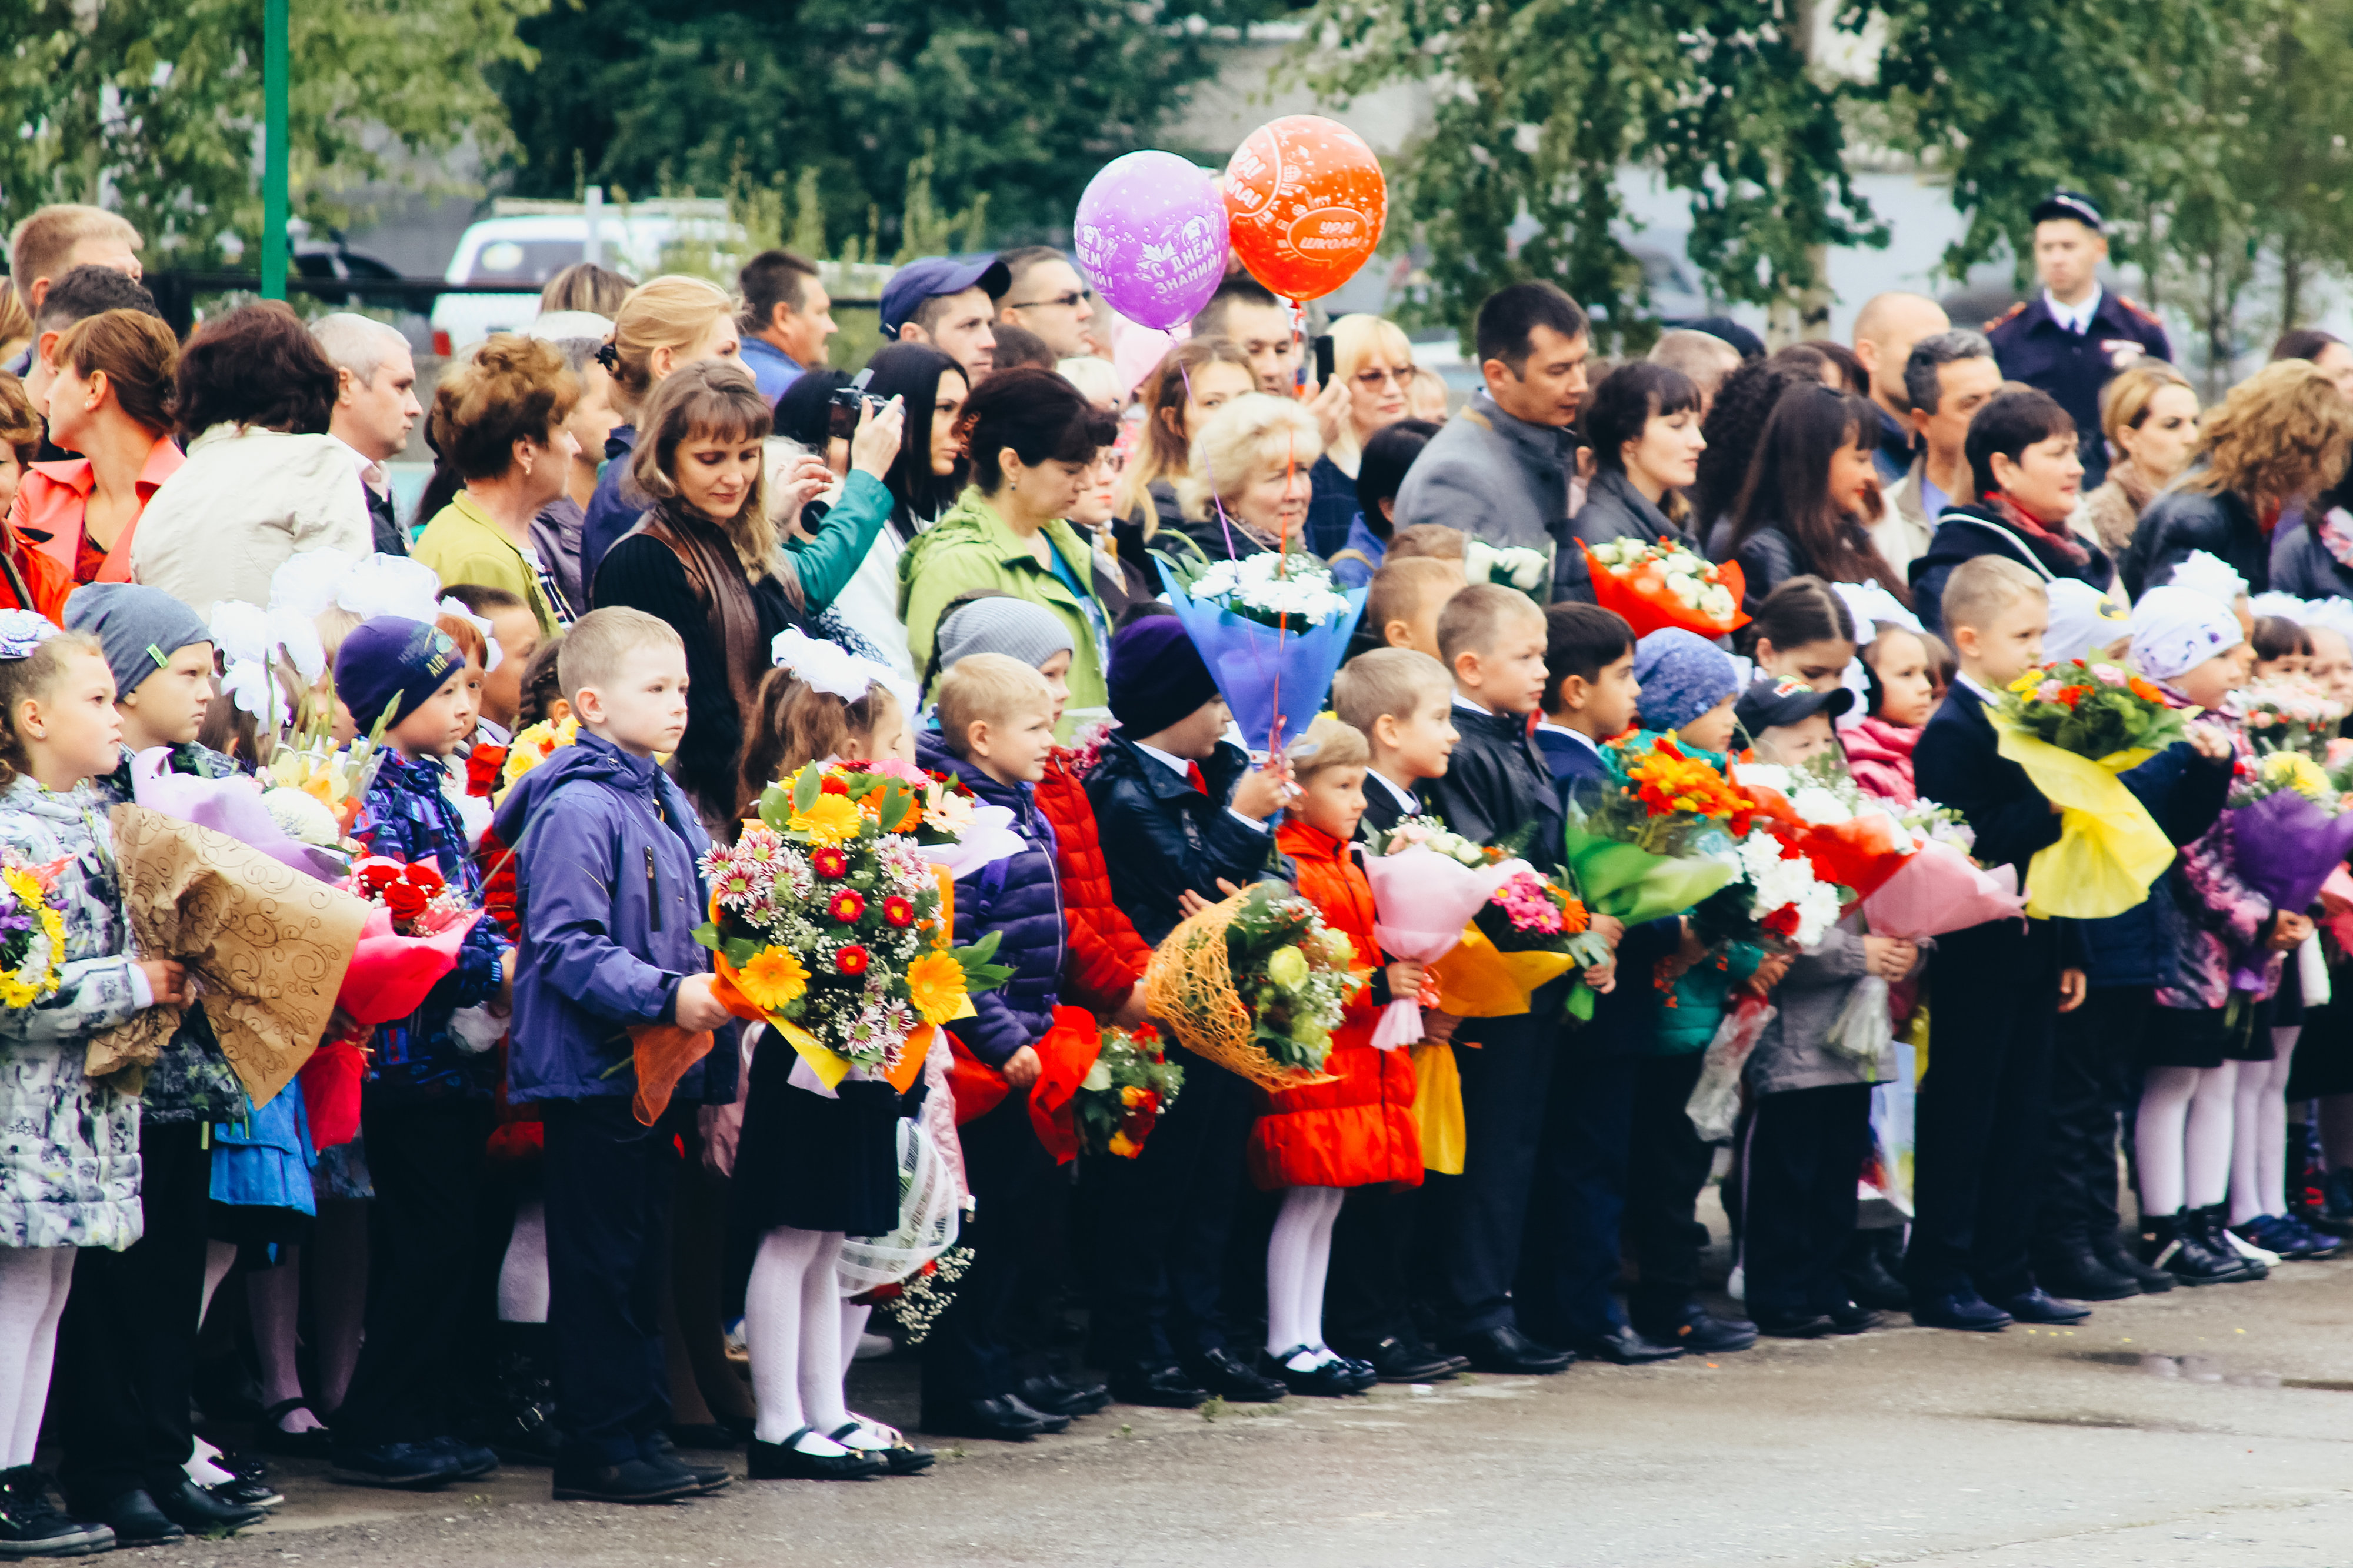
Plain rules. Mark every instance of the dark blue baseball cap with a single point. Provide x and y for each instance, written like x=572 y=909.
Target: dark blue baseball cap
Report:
x=929 y=277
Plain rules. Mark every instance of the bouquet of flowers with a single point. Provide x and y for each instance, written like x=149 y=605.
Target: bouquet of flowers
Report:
x=1123 y=1096
x=1817 y=809
x=1256 y=984
x=415 y=893
x=2073 y=727
x=1664 y=585
x=1778 y=900
x=2284 y=715
x=1272 y=628
x=533 y=746
x=1428 y=882
x=1511 y=567
x=305 y=761
x=2289 y=830
x=1652 y=844
x=32 y=931
x=917 y=1301
x=830 y=924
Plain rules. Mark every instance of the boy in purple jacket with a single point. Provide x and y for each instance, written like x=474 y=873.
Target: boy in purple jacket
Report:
x=609 y=889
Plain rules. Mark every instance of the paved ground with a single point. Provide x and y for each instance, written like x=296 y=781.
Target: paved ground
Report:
x=2212 y=1428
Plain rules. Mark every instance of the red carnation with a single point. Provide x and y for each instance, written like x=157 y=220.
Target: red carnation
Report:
x=852 y=959
x=846 y=905
x=833 y=784
x=830 y=862
x=898 y=911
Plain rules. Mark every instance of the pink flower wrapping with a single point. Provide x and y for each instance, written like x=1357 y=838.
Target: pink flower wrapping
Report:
x=1421 y=902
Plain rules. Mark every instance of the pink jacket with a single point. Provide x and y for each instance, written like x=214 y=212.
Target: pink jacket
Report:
x=1879 y=754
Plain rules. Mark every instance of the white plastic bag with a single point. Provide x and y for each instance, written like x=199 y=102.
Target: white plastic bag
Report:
x=1863 y=1030
x=928 y=1219
x=1714 y=1102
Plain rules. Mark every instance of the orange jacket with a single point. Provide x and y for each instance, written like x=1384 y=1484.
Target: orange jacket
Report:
x=1360 y=1129
x=47 y=584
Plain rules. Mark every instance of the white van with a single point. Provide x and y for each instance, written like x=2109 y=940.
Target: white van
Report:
x=529 y=242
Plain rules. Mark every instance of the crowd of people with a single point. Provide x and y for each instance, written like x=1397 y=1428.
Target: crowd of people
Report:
x=669 y=557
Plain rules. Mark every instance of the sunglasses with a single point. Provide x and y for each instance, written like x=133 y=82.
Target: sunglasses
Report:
x=1070 y=302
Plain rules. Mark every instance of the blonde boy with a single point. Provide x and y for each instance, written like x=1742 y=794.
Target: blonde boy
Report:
x=1402 y=702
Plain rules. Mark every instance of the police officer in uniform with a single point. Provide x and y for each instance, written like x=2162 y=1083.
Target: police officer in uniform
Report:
x=2074 y=336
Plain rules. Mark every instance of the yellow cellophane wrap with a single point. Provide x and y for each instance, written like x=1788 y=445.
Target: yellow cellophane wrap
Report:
x=2109 y=850
x=1438 y=1107
x=1189 y=987
x=1475 y=981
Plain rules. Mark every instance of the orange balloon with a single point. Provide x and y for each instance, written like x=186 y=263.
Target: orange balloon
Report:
x=1304 y=204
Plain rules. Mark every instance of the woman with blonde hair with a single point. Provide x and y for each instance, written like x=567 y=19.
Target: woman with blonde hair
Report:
x=1248 y=488
x=1371 y=389
x=499 y=420
x=1199 y=376
x=666 y=324
x=706 y=556
x=2278 y=440
x=2150 y=415
x=585 y=286
x=111 y=402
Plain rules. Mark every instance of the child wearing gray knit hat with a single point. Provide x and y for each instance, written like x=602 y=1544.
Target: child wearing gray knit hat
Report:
x=1689 y=685
x=1001 y=623
x=139 y=628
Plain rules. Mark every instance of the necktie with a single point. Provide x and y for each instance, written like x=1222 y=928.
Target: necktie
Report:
x=1193 y=777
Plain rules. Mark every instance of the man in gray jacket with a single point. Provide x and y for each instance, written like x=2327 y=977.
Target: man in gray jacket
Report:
x=1500 y=468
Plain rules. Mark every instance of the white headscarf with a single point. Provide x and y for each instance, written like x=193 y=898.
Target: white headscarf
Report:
x=2084 y=621
x=2176 y=629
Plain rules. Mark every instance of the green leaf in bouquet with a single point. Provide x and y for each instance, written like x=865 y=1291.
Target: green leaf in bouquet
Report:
x=980 y=973
x=808 y=785
x=897 y=800
x=707 y=935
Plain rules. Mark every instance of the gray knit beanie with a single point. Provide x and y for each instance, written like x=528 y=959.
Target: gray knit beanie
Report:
x=1014 y=627
x=139 y=628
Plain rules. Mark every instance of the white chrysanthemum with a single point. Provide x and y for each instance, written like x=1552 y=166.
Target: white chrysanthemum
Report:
x=1817 y=806
x=301 y=817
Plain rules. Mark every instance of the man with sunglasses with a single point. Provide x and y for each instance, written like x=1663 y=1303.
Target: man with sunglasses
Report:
x=1044 y=293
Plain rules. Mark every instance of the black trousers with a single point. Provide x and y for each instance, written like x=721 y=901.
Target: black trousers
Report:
x=1476 y=1220
x=128 y=1339
x=1984 y=1109
x=1171 y=1209
x=1800 y=1152
x=2094 y=1084
x=1566 y=1288
x=426 y=1158
x=609 y=1184
x=967 y=1355
x=1366 y=1291
x=1666 y=1169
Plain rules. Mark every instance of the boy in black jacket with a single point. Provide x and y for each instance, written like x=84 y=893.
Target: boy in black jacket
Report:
x=1492 y=642
x=1996 y=990
x=1182 y=818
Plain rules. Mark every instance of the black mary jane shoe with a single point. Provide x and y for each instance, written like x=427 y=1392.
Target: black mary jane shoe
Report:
x=783 y=1462
x=904 y=1458
x=1334 y=1379
x=270 y=1437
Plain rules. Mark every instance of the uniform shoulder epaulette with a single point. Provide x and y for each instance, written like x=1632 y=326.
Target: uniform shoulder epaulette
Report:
x=2005 y=316
x=2138 y=309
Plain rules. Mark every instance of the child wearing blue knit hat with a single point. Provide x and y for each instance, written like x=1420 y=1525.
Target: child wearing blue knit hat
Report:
x=1689 y=685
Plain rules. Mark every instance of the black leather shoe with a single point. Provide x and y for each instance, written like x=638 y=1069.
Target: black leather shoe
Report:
x=631 y=1480
x=1059 y=1395
x=1852 y=1317
x=2039 y=1306
x=783 y=1462
x=1507 y=1350
x=1867 y=1277
x=661 y=1453
x=2077 y=1273
x=1335 y=1379
x=399 y=1464
x=1162 y=1387
x=199 y=1512
x=136 y=1520
x=31 y=1525
x=1795 y=1325
x=2176 y=1242
x=2117 y=1258
x=1962 y=1309
x=1223 y=1373
x=1626 y=1347
x=1000 y=1420
x=1049 y=1422
x=1400 y=1360
x=1703 y=1333
x=471 y=1458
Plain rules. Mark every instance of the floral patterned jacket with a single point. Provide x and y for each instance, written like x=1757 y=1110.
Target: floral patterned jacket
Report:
x=68 y=1147
x=407 y=817
x=2207 y=919
x=191 y=1081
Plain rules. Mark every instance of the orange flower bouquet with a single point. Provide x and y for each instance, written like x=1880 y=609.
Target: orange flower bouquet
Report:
x=1664 y=585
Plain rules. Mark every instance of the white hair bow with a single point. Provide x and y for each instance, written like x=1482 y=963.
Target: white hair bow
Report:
x=828 y=667
x=391 y=586
x=250 y=638
x=2203 y=572
x=491 y=654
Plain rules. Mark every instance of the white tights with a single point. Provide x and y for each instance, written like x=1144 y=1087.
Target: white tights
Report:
x=793 y=1320
x=2259 y=1133
x=33 y=1285
x=2181 y=1138
x=523 y=1273
x=1297 y=1256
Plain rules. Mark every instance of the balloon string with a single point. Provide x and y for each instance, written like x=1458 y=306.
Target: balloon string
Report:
x=1281 y=562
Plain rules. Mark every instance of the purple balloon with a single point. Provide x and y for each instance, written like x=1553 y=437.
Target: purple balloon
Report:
x=1151 y=237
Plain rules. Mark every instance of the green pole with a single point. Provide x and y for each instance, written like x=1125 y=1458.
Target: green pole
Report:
x=273 y=161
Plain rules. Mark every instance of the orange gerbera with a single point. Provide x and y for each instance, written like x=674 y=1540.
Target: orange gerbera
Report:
x=830 y=819
x=935 y=984
x=772 y=980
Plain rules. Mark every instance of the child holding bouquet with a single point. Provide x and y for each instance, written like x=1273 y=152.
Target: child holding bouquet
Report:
x=70 y=1178
x=426 y=1110
x=1314 y=1144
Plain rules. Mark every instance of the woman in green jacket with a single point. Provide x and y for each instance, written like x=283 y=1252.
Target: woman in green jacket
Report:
x=1032 y=437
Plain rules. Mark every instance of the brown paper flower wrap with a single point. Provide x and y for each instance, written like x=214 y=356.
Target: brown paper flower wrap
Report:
x=268 y=944
x=1191 y=988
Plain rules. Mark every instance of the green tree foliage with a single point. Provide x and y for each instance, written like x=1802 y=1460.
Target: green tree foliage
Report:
x=154 y=107
x=1024 y=100
x=1541 y=103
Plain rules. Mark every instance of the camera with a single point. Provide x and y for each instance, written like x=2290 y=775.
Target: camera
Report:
x=842 y=411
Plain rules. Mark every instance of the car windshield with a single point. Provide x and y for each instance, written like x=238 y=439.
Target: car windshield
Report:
x=522 y=260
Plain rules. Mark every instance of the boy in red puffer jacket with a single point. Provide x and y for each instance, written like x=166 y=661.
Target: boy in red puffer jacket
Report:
x=1357 y=1130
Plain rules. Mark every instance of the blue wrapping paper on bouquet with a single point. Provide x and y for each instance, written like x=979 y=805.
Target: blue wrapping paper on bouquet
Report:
x=1266 y=673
